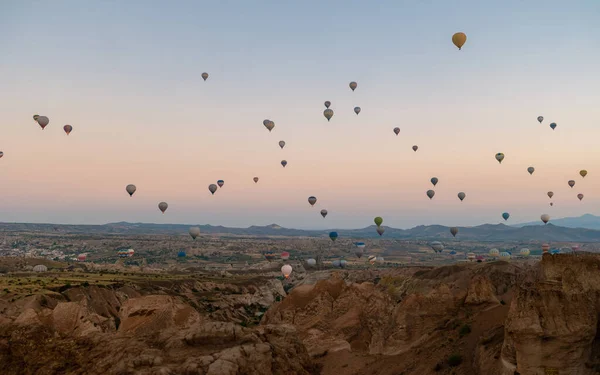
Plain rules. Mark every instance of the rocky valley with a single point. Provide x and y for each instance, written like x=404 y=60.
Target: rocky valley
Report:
x=474 y=318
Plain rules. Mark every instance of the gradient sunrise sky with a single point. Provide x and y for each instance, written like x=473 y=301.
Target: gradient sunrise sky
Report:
x=126 y=75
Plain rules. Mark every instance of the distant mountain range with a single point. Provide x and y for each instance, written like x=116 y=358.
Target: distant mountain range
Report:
x=587 y=221
x=558 y=230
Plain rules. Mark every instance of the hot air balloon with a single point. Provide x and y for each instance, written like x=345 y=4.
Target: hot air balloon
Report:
x=553 y=125
x=335 y=263
x=358 y=251
x=571 y=183
x=220 y=183
x=540 y=119
x=379 y=260
x=212 y=188
x=270 y=256
x=545 y=218
x=505 y=215
x=43 y=121
x=551 y=204
x=40 y=268
x=530 y=170
x=323 y=213
x=68 y=129
x=574 y=248
x=255 y=179
x=380 y=230
x=580 y=196
x=312 y=200
x=550 y=194
x=437 y=246
x=505 y=256
x=459 y=39
x=163 y=206
x=181 y=254
x=554 y=251
x=353 y=85
x=545 y=248
x=372 y=259
x=269 y=124
x=524 y=252
x=494 y=252
x=434 y=181
x=284 y=163
x=130 y=189
x=286 y=270
x=454 y=231
x=471 y=256
x=583 y=173
x=285 y=255
x=35 y=117
x=378 y=220
x=81 y=257
x=343 y=263
x=415 y=148
x=194 y=232
x=327 y=103
x=311 y=262
x=461 y=196
x=333 y=236
x=205 y=76
x=397 y=131
x=1 y=154
x=430 y=194
x=328 y=113
x=130 y=253
x=282 y=144
x=357 y=110
x=500 y=157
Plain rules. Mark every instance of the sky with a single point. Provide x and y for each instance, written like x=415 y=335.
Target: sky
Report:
x=127 y=77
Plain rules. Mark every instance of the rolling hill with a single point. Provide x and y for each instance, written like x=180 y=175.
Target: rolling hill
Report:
x=587 y=221
x=485 y=232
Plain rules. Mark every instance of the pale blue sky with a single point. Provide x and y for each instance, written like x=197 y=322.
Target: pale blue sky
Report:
x=126 y=75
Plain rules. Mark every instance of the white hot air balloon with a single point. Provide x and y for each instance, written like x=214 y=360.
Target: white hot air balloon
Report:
x=286 y=270
x=194 y=232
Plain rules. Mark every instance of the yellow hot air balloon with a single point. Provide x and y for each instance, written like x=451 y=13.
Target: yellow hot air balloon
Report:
x=583 y=173
x=459 y=39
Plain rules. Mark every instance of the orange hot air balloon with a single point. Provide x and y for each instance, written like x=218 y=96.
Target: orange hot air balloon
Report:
x=459 y=39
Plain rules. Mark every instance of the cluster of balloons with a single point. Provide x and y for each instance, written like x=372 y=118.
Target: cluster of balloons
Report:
x=43 y=121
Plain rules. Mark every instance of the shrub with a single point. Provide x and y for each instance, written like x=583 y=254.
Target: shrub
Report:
x=464 y=330
x=85 y=283
x=454 y=360
x=502 y=302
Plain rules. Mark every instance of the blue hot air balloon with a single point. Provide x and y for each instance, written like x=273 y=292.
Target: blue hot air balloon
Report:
x=333 y=236
x=553 y=125
x=505 y=215
x=181 y=254
x=554 y=251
